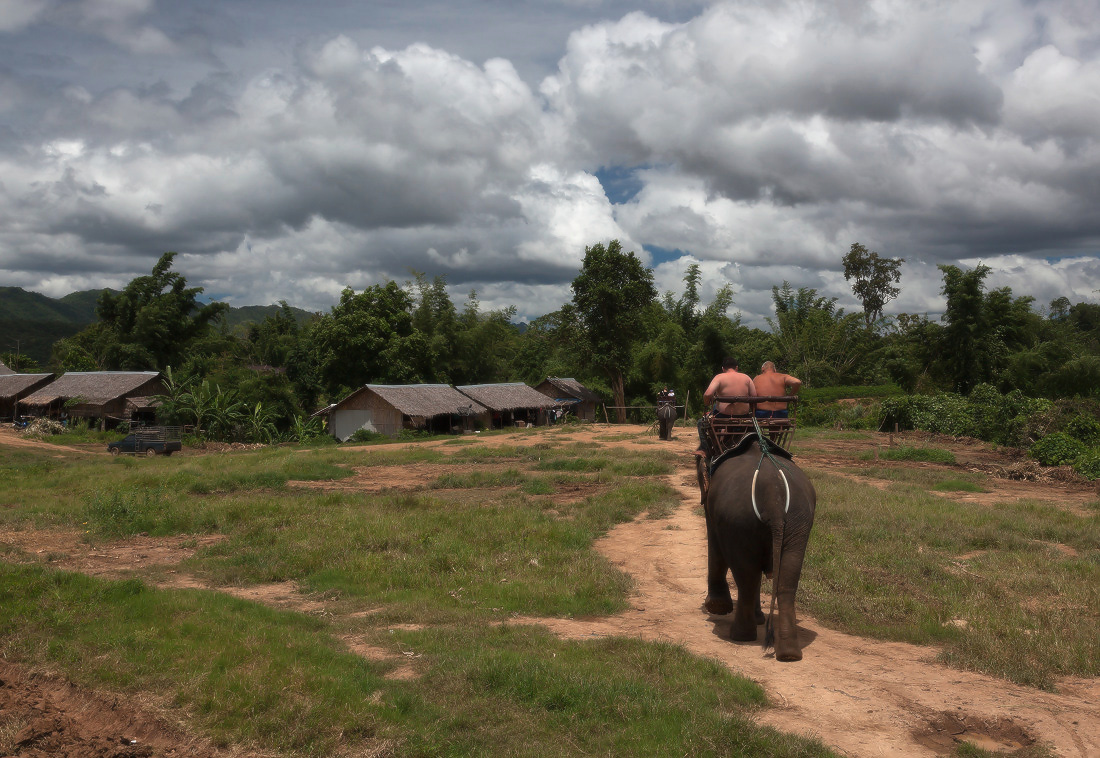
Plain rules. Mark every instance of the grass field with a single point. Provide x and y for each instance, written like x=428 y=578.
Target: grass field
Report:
x=446 y=564
x=433 y=575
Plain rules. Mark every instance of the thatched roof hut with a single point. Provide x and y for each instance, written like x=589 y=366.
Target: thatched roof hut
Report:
x=4 y=370
x=389 y=408
x=100 y=394
x=14 y=386
x=509 y=402
x=568 y=392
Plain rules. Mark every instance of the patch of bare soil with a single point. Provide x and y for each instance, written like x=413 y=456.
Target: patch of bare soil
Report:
x=42 y=716
x=11 y=438
x=373 y=479
x=68 y=549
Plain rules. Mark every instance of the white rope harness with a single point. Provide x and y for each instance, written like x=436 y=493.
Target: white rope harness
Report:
x=787 y=487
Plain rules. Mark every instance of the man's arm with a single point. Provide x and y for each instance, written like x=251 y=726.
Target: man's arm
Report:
x=712 y=390
x=794 y=384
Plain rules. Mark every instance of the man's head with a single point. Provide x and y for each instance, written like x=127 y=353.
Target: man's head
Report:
x=729 y=363
x=768 y=367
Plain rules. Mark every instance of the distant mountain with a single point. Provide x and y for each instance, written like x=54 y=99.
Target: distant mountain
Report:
x=17 y=303
x=239 y=318
x=32 y=322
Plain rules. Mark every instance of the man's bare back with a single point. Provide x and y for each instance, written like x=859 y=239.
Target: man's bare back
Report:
x=771 y=382
x=730 y=383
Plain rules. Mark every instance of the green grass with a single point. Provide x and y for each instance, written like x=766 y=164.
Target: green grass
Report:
x=887 y=565
x=282 y=681
x=248 y=672
x=508 y=478
x=906 y=453
x=958 y=485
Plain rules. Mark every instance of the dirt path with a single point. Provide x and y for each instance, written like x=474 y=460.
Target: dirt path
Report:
x=867 y=699
x=11 y=438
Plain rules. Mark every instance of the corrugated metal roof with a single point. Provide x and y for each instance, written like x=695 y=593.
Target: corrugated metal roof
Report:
x=12 y=385
x=423 y=400
x=507 y=396
x=572 y=388
x=92 y=387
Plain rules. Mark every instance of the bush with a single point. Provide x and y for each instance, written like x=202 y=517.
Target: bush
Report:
x=1084 y=428
x=1057 y=449
x=366 y=435
x=1010 y=419
x=943 y=413
x=845 y=415
x=1088 y=464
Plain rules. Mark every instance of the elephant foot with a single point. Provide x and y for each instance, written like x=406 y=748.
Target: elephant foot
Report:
x=740 y=631
x=718 y=605
x=788 y=653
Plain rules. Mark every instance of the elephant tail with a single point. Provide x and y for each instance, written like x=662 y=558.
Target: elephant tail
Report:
x=779 y=520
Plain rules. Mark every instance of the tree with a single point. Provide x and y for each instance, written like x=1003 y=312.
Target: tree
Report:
x=612 y=297
x=817 y=341
x=20 y=363
x=874 y=277
x=367 y=337
x=964 y=349
x=152 y=322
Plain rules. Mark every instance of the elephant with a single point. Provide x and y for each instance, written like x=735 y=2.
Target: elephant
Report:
x=666 y=416
x=759 y=509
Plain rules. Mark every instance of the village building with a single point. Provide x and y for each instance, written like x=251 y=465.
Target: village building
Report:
x=109 y=396
x=14 y=387
x=572 y=396
x=4 y=370
x=389 y=408
x=509 y=404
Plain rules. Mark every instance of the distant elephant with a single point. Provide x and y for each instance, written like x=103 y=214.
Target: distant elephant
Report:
x=759 y=511
x=666 y=416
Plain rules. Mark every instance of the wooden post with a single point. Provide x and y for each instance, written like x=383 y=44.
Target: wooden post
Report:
x=687 y=399
x=606 y=418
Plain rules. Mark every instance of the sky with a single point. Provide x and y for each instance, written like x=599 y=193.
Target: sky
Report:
x=288 y=150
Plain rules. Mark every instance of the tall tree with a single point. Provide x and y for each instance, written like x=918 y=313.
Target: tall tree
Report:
x=964 y=349
x=612 y=300
x=151 y=324
x=368 y=337
x=874 y=277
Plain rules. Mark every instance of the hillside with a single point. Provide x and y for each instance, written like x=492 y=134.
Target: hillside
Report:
x=32 y=322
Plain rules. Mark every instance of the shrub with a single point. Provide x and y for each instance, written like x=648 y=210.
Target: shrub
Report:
x=1057 y=449
x=1088 y=464
x=366 y=435
x=943 y=413
x=1084 y=428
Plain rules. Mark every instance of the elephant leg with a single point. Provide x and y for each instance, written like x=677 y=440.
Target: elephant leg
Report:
x=786 y=632
x=719 y=602
x=748 y=614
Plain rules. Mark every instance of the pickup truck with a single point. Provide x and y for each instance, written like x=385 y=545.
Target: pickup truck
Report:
x=148 y=441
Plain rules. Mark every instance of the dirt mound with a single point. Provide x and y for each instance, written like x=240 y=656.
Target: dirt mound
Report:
x=46 y=717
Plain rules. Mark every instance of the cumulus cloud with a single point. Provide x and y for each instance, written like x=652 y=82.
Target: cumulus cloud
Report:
x=760 y=139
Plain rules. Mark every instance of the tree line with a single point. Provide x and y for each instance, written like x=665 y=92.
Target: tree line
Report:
x=617 y=335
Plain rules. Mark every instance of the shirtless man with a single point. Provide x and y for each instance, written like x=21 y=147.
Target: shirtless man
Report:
x=730 y=382
x=771 y=382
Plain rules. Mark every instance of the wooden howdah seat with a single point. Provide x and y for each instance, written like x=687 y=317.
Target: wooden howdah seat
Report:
x=723 y=433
